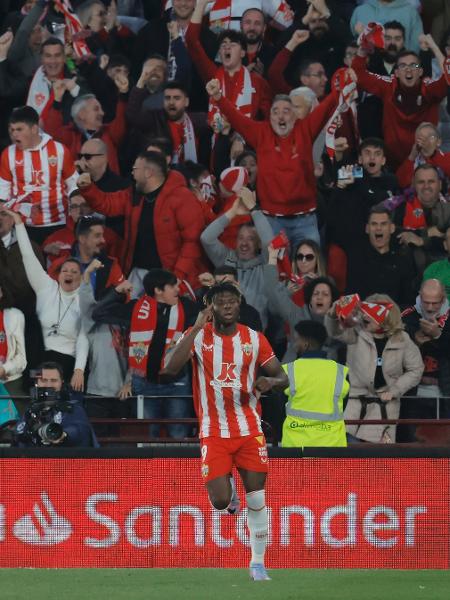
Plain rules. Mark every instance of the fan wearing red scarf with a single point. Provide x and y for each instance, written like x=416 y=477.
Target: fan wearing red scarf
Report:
x=248 y=91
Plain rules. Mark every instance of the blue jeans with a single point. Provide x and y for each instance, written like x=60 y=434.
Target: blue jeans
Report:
x=297 y=229
x=166 y=407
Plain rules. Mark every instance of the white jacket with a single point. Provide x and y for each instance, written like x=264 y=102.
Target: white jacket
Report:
x=16 y=360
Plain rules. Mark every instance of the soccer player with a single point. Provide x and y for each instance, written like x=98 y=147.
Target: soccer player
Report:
x=226 y=356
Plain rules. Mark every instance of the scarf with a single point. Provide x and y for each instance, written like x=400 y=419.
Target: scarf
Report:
x=74 y=29
x=441 y=316
x=220 y=15
x=143 y=325
x=3 y=339
x=347 y=102
x=414 y=217
x=183 y=138
x=372 y=37
x=241 y=96
x=40 y=94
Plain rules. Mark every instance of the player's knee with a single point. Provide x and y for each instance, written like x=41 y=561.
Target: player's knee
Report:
x=256 y=500
x=220 y=502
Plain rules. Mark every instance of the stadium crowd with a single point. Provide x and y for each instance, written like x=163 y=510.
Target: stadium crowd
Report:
x=299 y=149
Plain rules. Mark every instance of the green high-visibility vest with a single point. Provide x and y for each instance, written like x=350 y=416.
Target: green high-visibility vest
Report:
x=315 y=406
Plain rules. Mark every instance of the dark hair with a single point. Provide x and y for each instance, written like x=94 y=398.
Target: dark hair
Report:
x=158 y=278
x=118 y=60
x=313 y=331
x=226 y=270
x=76 y=192
x=54 y=366
x=379 y=209
x=395 y=25
x=427 y=167
x=305 y=65
x=155 y=56
x=164 y=144
x=371 y=141
x=240 y=157
x=176 y=85
x=311 y=286
x=404 y=53
x=192 y=170
x=70 y=259
x=85 y=223
x=52 y=41
x=221 y=288
x=156 y=159
x=24 y=114
x=234 y=36
x=257 y=10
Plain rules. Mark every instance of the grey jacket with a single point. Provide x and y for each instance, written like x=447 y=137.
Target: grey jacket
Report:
x=250 y=272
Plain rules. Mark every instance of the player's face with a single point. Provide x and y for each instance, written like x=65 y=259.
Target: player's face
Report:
x=379 y=229
x=183 y=9
x=226 y=308
x=69 y=277
x=301 y=106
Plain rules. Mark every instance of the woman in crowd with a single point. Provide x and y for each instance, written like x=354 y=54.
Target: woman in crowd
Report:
x=319 y=295
x=12 y=353
x=384 y=363
x=307 y=264
x=58 y=310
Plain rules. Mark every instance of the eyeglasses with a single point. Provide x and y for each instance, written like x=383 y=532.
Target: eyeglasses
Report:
x=88 y=156
x=403 y=66
x=303 y=257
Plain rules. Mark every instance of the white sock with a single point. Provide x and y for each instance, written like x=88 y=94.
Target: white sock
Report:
x=257 y=522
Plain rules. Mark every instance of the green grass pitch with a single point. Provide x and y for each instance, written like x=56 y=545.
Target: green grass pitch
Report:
x=218 y=584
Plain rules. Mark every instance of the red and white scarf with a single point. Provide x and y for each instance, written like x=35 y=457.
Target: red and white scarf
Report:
x=220 y=16
x=74 y=28
x=143 y=325
x=183 y=137
x=347 y=100
x=40 y=94
x=241 y=96
x=3 y=339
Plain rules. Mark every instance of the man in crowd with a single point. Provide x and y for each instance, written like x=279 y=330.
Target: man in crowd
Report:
x=225 y=357
x=163 y=220
x=259 y=53
x=378 y=266
x=36 y=174
x=440 y=269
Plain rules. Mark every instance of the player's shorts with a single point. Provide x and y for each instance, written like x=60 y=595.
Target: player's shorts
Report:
x=220 y=454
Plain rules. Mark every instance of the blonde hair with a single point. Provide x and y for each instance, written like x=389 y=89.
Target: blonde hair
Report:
x=393 y=323
x=321 y=266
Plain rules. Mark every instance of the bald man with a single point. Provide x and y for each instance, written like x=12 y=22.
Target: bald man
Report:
x=93 y=159
x=428 y=324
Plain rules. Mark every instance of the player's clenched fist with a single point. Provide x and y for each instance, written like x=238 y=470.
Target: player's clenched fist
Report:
x=84 y=180
x=213 y=89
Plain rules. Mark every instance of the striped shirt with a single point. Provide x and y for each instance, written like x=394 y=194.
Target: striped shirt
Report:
x=224 y=374
x=42 y=177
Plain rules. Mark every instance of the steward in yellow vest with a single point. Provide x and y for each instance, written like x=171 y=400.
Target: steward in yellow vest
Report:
x=317 y=388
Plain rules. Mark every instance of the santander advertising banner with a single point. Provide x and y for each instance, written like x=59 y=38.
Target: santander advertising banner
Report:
x=323 y=513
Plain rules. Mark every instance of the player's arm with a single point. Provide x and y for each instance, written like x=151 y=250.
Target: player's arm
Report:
x=182 y=351
x=276 y=378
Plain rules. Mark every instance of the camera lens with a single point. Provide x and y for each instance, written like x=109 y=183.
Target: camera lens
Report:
x=50 y=432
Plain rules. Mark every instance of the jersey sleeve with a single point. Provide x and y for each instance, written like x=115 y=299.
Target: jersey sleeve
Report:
x=265 y=351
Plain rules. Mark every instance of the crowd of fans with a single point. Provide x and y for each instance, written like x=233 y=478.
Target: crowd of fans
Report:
x=297 y=148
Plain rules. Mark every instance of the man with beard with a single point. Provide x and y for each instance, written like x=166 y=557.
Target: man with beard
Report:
x=163 y=220
x=172 y=122
x=259 y=53
x=323 y=41
x=408 y=100
x=381 y=62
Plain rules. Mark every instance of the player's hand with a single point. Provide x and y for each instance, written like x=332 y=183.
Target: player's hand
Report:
x=213 y=89
x=263 y=384
x=59 y=89
x=84 y=180
x=203 y=317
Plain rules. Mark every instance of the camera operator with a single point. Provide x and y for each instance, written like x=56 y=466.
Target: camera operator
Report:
x=55 y=416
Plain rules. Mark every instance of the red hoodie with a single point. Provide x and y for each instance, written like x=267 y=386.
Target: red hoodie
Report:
x=285 y=183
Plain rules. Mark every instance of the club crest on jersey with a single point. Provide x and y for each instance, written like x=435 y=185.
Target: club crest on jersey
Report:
x=138 y=352
x=53 y=161
x=205 y=470
x=227 y=377
x=247 y=349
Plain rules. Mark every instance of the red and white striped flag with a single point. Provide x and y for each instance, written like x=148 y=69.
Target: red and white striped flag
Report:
x=75 y=28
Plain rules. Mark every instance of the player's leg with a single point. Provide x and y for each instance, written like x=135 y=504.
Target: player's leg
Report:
x=217 y=463
x=219 y=492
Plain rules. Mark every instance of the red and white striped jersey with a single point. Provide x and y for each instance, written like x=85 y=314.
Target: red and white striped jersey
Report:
x=224 y=375
x=43 y=177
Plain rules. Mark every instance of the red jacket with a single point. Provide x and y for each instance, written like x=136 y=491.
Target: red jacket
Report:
x=405 y=172
x=178 y=223
x=261 y=98
x=112 y=134
x=398 y=127
x=285 y=183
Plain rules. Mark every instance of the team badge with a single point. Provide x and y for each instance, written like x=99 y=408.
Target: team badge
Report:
x=247 y=349
x=53 y=161
x=2 y=337
x=205 y=470
x=138 y=351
